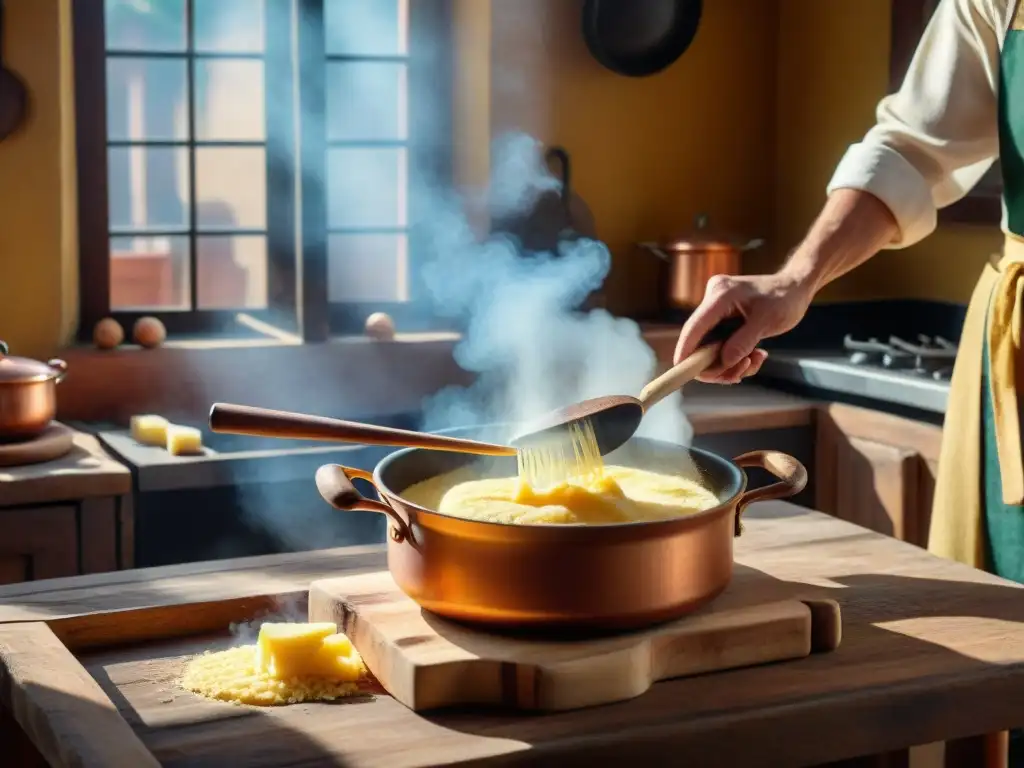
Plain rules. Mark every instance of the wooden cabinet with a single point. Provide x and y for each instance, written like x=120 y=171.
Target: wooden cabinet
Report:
x=65 y=539
x=65 y=517
x=38 y=544
x=876 y=470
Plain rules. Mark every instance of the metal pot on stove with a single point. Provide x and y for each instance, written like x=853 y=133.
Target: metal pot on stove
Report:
x=695 y=258
x=28 y=395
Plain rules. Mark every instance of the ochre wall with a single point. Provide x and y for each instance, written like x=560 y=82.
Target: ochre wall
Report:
x=833 y=67
x=649 y=153
x=38 y=230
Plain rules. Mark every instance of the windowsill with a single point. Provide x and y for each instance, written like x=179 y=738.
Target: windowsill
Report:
x=348 y=376
x=268 y=341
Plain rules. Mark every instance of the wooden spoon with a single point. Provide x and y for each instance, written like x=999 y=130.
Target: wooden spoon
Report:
x=262 y=422
x=616 y=417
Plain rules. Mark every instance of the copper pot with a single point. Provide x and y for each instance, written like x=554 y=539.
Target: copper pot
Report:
x=28 y=395
x=695 y=258
x=619 y=576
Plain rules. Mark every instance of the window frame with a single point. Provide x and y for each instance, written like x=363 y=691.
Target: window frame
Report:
x=430 y=164
x=983 y=205
x=297 y=299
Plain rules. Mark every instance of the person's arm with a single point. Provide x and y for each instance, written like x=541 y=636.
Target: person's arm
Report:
x=938 y=134
x=933 y=140
x=853 y=226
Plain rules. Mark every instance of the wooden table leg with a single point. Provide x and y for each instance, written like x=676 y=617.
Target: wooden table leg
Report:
x=988 y=751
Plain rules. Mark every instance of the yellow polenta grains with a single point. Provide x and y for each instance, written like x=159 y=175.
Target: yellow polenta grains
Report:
x=320 y=666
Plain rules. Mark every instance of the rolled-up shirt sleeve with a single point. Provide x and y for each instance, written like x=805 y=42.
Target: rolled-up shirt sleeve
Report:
x=938 y=134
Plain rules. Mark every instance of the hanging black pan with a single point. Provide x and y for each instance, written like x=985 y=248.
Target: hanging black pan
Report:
x=13 y=97
x=638 y=38
x=557 y=215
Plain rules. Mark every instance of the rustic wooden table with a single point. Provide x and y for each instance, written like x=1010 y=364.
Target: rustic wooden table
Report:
x=931 y=651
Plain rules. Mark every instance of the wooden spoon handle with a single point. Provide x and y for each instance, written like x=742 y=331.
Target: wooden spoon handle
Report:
x=678 y=375
x=263 y=422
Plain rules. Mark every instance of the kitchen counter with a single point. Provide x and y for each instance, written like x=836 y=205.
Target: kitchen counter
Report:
x=836 y=374
x=85 y=471
x=931 y=650
x=714 y=408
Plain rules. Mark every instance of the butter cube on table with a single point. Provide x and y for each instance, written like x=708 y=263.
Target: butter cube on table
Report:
x=150 y=429
x=306 y=650
x=184 y=441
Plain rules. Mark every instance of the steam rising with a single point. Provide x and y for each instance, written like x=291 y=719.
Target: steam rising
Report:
x=287 y=609
x=525 y=336
x=524 y=333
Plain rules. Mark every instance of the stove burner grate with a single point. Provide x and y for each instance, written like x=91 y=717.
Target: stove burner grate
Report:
x=931 y=356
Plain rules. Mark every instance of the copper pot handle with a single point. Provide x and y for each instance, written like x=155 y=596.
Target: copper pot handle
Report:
x=791 y=473
x=335 y=485
x=60 y=368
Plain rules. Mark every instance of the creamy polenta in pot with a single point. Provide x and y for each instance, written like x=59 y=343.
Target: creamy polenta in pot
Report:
x=613 y=494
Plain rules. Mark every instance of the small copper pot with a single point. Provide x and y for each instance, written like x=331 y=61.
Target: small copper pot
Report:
x=531 y=576
x=28 y=395
x=695 y=258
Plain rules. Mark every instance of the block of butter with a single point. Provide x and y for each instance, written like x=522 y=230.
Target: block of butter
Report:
x=306 y=650
x=184 y=441
x=150 y=429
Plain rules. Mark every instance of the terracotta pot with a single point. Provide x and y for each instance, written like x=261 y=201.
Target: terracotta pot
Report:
x=695 y=258
x=620 y=576
x=28 y=395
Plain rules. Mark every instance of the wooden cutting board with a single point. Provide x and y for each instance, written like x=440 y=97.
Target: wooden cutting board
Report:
x=54 y=441
x=427 y=662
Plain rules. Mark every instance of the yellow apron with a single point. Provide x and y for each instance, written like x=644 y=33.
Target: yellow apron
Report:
x=994 y=314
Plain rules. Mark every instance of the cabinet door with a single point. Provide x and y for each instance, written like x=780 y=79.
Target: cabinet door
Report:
x=877 y=470
x=876 y=487
x=38 y=543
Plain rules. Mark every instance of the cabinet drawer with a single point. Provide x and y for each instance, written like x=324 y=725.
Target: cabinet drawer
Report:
x=38 y=543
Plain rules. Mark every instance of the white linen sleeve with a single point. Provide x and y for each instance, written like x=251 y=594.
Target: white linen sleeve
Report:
x=938 y=134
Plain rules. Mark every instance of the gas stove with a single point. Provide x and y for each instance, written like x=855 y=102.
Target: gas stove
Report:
x=911 y=373
x=929 y=357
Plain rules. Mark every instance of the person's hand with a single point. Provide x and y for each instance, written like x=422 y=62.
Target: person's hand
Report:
x=769 y=304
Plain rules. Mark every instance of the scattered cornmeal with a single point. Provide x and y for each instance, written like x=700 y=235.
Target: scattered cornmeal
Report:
x=290 y=663
x=184 y=441
x=150 y=429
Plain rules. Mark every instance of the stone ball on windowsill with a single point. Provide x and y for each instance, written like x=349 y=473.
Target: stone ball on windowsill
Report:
x=380 y=326
x=107 y=333
x=149 y=332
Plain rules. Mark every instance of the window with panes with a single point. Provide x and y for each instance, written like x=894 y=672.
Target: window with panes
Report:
x=258 y=158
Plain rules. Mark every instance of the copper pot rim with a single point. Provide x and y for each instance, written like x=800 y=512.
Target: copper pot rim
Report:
x=40 y=378
x=688 y=248
x=736 y=488
x=702 y=240
x=20 y=371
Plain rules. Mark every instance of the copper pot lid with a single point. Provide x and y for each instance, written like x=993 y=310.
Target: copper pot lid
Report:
x=703 y=240
x=24 y=370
